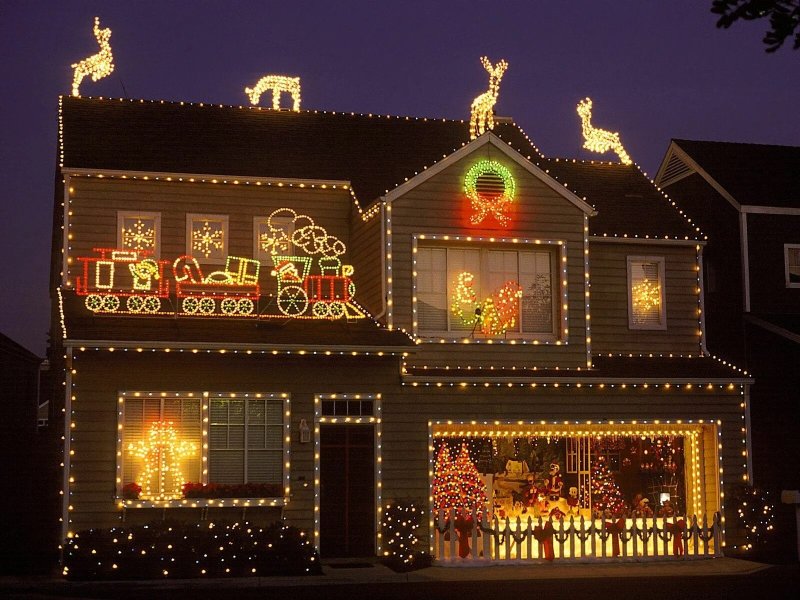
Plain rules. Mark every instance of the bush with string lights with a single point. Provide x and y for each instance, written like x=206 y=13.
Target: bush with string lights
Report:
x=179 y=550
x=755 y=514
x=401 y=521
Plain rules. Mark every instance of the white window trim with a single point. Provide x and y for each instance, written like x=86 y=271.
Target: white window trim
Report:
x=130 y=214
x=786 y=248
x=190 y=219
x=662 y=326
x=559 y=281
x=204 y=451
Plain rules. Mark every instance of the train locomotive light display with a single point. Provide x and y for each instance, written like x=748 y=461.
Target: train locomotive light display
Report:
x=117 y=276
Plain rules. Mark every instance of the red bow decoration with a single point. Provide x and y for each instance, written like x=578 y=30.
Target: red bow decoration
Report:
x=615 y=528
x=676 y=529
x=463 y=527
x=544 y=535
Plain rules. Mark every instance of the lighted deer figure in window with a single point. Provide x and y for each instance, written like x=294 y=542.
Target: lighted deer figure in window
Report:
x=98 y=65
x=278 y=84
x=482 y=113
x=599 y=140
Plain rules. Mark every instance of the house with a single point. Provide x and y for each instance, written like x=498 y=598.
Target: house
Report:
x=744 y=196
x=310 y=315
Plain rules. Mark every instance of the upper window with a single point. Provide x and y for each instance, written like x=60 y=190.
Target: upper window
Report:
x=207 y=237
x=277 y=230
x=175 y=445
x=791 y=256
x=481 y=292
x=646 y=308
x=139 y=231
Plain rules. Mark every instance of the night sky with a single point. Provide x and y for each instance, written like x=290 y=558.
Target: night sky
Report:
x=655 y=70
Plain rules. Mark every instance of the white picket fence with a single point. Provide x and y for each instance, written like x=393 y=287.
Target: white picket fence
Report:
x=458 y=540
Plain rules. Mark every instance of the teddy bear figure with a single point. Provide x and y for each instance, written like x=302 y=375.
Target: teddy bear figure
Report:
x=641 y=506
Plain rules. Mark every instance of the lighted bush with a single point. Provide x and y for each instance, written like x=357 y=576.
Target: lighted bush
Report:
x=402 y=550
x=179 y=550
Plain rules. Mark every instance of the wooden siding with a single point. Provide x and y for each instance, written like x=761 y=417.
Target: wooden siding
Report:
x=609 y=300
x=100 y=375
x=94 y=204
x=439 y=206
x=366 y=254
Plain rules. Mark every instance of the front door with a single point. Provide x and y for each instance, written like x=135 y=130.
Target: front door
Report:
x=347 y=490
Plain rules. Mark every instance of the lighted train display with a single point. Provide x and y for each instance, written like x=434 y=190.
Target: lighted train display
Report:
x=131 y=281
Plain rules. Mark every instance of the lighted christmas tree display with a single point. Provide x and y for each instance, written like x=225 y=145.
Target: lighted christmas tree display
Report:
x=606 y=495
x=457 y=484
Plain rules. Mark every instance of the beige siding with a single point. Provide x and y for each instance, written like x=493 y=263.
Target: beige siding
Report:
x=439 y=206
x=94 y=204
x=366 y=252
x=609 y=300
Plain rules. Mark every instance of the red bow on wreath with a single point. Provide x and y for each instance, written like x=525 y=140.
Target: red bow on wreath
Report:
x=463 y=527
x=676 y=529
x=544 y=535
x=615 y=528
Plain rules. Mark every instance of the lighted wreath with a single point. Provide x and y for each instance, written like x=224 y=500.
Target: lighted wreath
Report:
x=491 y=203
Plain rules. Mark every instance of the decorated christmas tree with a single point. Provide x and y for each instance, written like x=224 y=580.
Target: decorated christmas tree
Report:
x=457 y=484
x=606 y=495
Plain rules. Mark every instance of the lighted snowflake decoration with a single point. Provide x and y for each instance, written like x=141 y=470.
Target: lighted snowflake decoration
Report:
x=646 y=295
x=139 y=236
x=207 y=239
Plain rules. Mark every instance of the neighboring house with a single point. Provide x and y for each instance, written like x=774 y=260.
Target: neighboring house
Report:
x=746 y=198
x=19 y=382
x=312 y=314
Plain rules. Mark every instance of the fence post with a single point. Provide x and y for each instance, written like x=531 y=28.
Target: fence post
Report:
x=603 y=538
x=717 y=525
x=451 y=529
x=475 y=525
x=496 y=538
x=487 y=537
x=571 y=536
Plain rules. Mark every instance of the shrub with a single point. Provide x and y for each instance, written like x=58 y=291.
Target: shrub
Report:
x=401 y=520
x=178 y=550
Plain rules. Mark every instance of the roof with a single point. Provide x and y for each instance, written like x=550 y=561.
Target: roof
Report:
x=621 y=369
x=374 y=153
x=754 y=174
x=362 y=335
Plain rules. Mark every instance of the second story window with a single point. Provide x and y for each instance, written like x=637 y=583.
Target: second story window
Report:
x=646 y=308
x=139 y=231
x=277 y=229
x=207 y=237
x=478 y=292
x=791 y=258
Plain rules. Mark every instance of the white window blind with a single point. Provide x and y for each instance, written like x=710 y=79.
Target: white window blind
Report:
x=646 y=292
x=141 y=413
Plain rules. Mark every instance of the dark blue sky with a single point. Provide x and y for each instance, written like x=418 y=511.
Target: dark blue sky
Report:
x=655 y=70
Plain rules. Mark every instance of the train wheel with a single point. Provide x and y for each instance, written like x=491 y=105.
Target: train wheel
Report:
x=207 y=305
x=337 y=310
x=93 y=302
x=292 y=301
x=229 y=306
x=246 y=306
x=110 y=303
x=190 y=305
x=135 y=303
x=152 y=304
x=321 y=310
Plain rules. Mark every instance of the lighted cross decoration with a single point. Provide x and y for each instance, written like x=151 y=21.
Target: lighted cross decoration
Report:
x=485 y=199
x=138 y=236
x=207 y=239
x=162 y=452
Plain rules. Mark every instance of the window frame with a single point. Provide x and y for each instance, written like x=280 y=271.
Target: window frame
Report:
x=559 y=287
x=139 y=214
x=205 y=440
x=191 y=218
x=786 y=247
x=662 y=317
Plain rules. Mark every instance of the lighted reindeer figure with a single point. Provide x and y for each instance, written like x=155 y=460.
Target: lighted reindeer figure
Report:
x=278 y=84
x=482 y=114
x=599 y=140
x=98 y=65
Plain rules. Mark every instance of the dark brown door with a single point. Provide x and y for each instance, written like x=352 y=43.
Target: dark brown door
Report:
x=347 y=490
